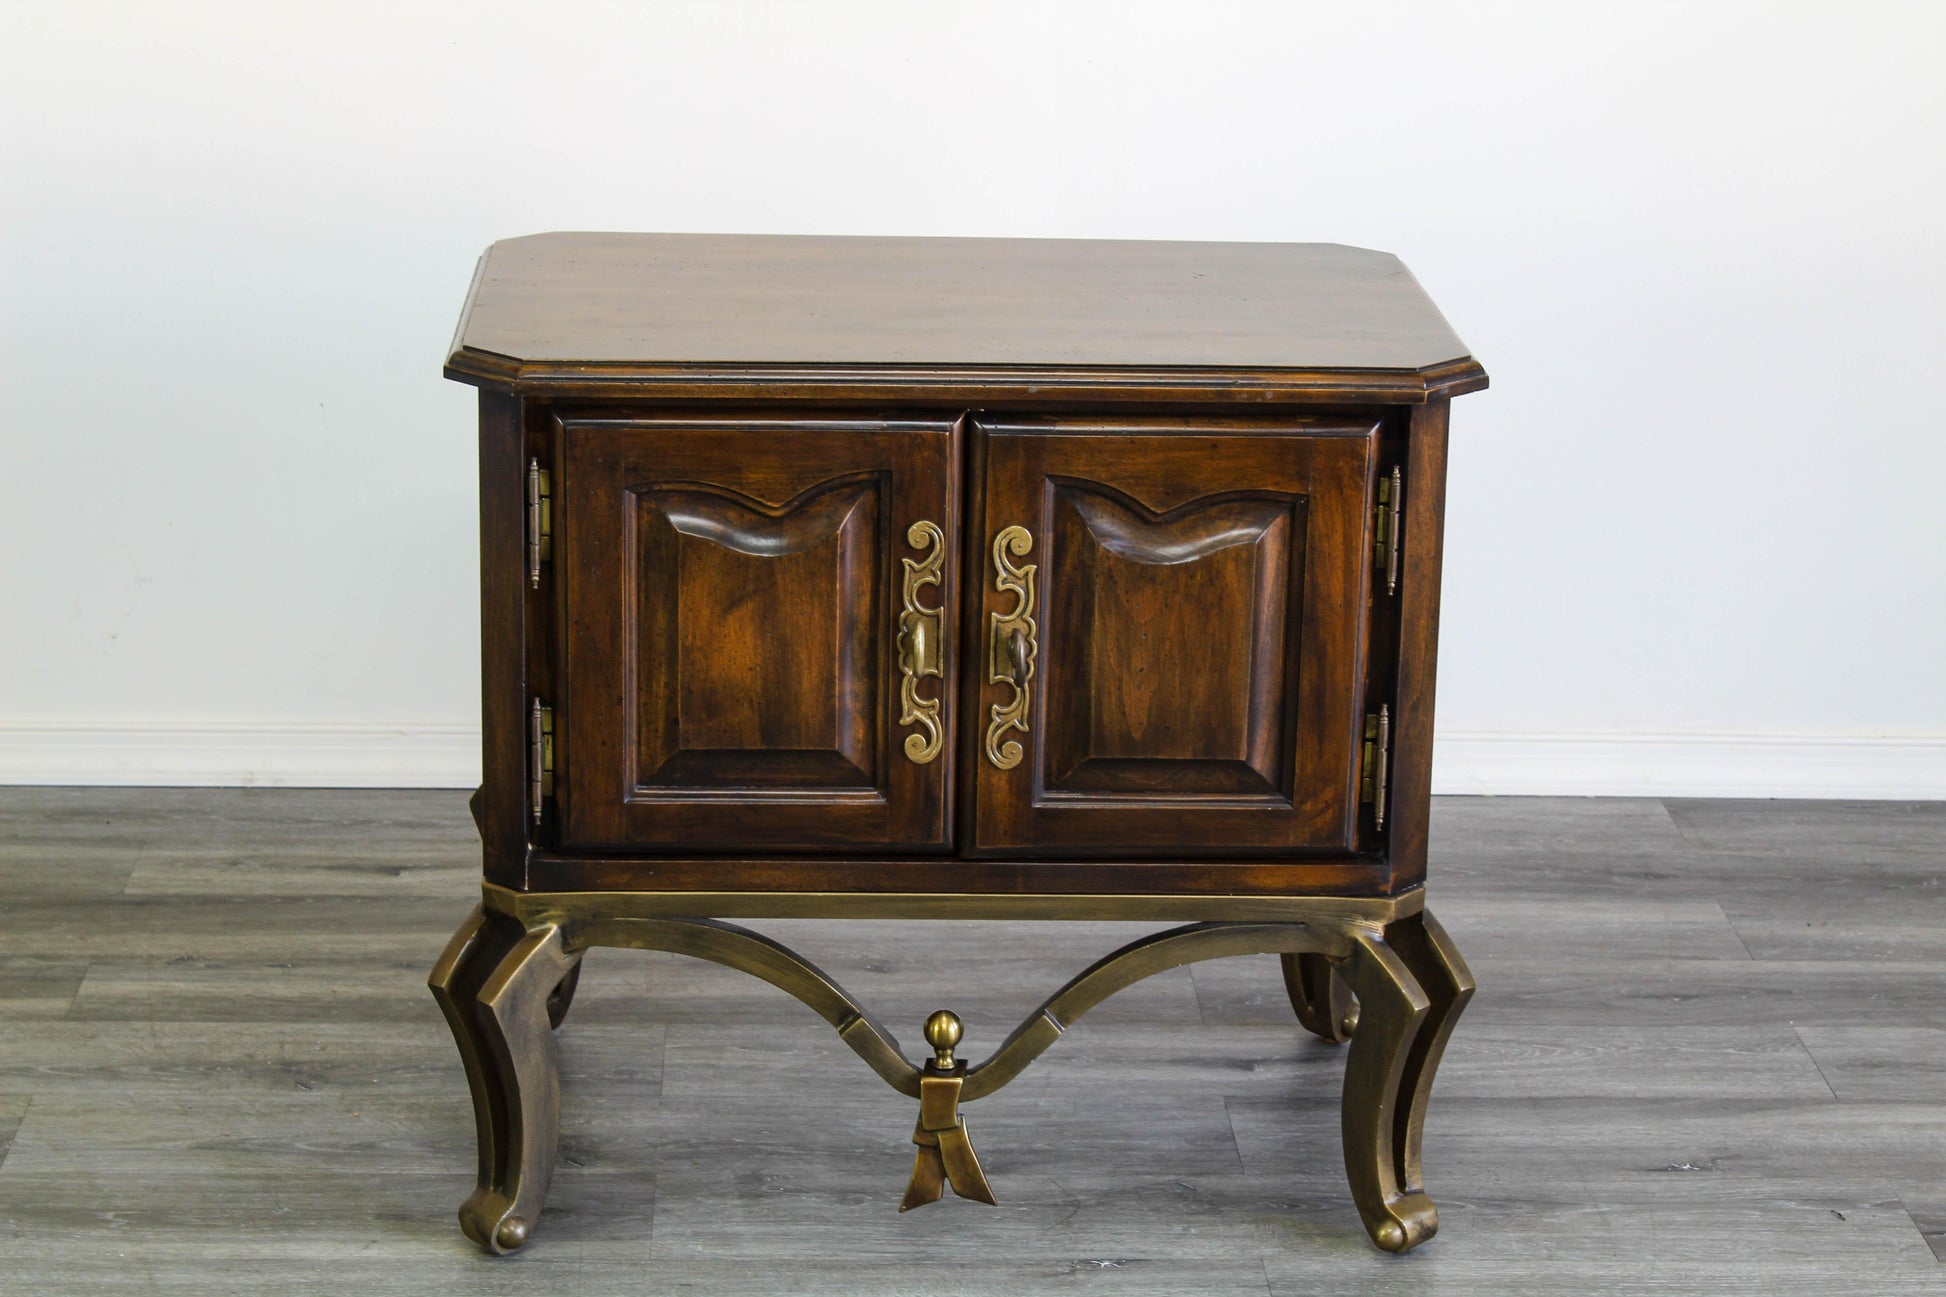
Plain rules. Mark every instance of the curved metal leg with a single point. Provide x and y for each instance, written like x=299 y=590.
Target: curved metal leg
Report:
x=493 y=984
x=1448 y=984
x=1324 y=1005
x=477 y=946
x=1378 y=1097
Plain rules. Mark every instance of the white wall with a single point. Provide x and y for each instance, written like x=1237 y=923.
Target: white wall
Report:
x=1697 y=541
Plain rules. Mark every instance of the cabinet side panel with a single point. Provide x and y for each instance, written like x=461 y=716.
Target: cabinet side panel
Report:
x=503 y=632
x=1420 y=559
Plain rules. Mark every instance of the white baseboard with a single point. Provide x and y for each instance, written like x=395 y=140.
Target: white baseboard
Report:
x=294 y=754
x=325 y=755
x=1691 y=765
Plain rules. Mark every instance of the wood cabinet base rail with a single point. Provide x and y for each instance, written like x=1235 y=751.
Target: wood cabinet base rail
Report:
x=957 y=578
x=505 y=985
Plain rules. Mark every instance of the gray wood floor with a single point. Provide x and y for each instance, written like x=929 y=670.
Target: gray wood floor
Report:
x=1708 y=1056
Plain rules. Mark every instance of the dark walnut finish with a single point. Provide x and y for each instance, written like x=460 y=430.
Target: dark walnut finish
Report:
x=1202 y=592
x=733 y=584
x=957 y=578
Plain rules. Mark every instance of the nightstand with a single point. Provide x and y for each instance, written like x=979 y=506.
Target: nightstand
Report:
x=1043 y=580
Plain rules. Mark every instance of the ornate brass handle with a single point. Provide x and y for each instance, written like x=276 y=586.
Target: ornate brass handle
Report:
x=1017 y=657
x=1012 y=645
x=921 y=630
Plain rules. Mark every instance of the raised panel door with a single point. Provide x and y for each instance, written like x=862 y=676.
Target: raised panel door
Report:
x=1170 y=637
x=743 y=598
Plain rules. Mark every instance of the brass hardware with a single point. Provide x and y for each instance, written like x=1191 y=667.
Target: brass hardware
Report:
x=921 y=635
x=1377 y=756
x=540 y=521
x=1386 y=528
x=1017 y=658
x=1012 y=645
x=540 y=757
x=946 y=1153
x=505 y=969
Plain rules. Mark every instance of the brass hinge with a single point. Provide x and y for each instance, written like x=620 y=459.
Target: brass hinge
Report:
x=1378 y=755
x=540 y=521
x=540 y=757
x=1386 y=528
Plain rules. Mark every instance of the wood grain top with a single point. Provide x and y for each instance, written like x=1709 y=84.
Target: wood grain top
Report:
x=703 y=314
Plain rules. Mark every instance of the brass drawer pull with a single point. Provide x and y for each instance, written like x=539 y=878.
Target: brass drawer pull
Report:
x=921 y=631
x=1012 y=645
x=1017 y=658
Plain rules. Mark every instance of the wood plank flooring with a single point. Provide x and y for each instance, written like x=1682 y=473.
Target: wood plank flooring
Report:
x=1708 y=1056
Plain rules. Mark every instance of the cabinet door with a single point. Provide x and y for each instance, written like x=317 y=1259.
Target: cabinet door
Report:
x=754 y=651
x=1170 y=636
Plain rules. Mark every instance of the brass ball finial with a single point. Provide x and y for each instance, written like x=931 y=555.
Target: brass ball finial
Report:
x=942 y=1033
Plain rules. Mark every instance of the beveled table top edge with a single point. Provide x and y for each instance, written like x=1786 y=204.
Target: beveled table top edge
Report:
x=953 y=384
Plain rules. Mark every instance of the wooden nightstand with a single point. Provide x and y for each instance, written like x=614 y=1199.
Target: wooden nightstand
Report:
x=957 y=578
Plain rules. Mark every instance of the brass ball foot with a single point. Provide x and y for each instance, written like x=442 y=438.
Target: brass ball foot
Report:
x=1410 y=1220
x=511 y=1234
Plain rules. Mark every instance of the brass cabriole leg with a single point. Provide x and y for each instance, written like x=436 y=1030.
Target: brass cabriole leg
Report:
x=1324 y=1005
x=494 y=984
x=476 y=947
x=1411 y=985
x=1392 y=1009
x=1448 y=984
